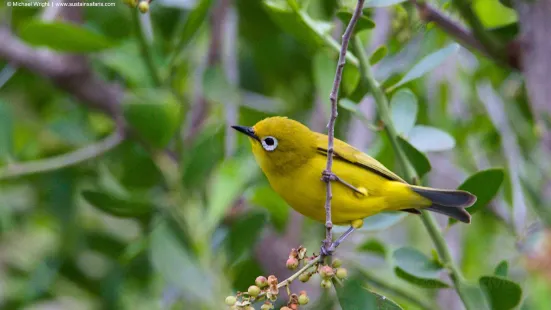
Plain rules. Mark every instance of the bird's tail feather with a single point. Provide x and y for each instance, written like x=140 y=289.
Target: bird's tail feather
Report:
x=448 y=202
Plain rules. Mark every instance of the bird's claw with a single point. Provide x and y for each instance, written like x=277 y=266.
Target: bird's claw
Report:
x=327 y=251
x=327 y=176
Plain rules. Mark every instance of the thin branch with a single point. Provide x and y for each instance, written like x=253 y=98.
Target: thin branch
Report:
x=331 y=131
x=491 y=44
x=456 y=30
x=71 y=74
x=145 y=48
x=431 y=14
x=410 y=173
x=44 y=165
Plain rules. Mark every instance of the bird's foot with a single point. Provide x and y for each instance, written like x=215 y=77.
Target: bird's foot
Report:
x=327 y=250
x=328 y=176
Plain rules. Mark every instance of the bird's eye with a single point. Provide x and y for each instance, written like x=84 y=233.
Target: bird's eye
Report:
x=269 y=143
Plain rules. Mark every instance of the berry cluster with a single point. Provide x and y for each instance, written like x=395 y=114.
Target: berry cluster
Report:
x=143 y=5
x=268 y=288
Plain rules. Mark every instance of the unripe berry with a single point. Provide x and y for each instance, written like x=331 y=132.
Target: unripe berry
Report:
x=253 y=290
x=143 y=6
x=326 y=283
x=341 y=273
x=132 y=3
x=326 y=272
x=304 y=277
x=261 y=281
x=267 y=306
x=230 y=300
x=285 y=308
x=336 y=263
x=303 y=299
x=292 y=263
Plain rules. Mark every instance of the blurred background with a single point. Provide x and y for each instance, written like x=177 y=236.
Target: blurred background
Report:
x=123 y=187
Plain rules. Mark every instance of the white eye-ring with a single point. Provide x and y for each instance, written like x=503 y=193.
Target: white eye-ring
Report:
x=269 y=143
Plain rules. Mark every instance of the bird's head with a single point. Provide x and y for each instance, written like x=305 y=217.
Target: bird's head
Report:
x=280 y=144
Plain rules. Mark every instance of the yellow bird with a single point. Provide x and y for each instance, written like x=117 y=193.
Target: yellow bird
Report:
x=293 y=158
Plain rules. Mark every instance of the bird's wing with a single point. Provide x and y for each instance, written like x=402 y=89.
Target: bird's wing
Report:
x=348 y=153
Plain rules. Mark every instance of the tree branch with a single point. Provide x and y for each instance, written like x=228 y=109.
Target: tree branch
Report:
x=62 y=161
x=493 y=46
x=431 y=14
x=71 y=74
x=409 y=172
x=463 y=35
x=331 y=126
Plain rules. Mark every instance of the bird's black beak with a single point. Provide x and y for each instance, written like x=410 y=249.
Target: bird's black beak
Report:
x=247 y=130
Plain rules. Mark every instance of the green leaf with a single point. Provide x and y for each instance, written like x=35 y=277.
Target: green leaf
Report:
x=193 y=22
x=298 y=23
x=382 y=221
x=350 y=79
x=403 y=111
x=424 y=283
x=6 y=132
x=228 y=184
x=373 y=246
x=427 y=64
x=118 y=206
x=264 y=196
x=414 y=267
x=324 y=73
x=503 y=294
x=473 y=296
x=502 y=269
x=351 y=106
x=493 y=14
x=154 y=114
x=123 y=60
x=418 y=159
x=381 y=3
x=379 y=53
x=65 y=37
x=354 y=296
x=177 y=265
x=430 y=139
x=484 y=185
x=363 y=23
x=203 y=156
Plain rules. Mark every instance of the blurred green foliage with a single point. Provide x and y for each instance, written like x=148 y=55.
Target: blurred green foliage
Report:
x=178 y=215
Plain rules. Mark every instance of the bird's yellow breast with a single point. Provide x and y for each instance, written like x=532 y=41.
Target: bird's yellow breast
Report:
x=305 y=192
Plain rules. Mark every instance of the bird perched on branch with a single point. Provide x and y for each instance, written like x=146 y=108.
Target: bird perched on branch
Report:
x=293 y=159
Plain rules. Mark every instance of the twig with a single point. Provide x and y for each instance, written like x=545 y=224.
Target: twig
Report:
x=70 y=74
x=410 y=173
x=331 y=126
x=430 y=14
x=145 y=49
x=456 y=30
x=490 y=43
x=295 y=275
x=62 y=161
